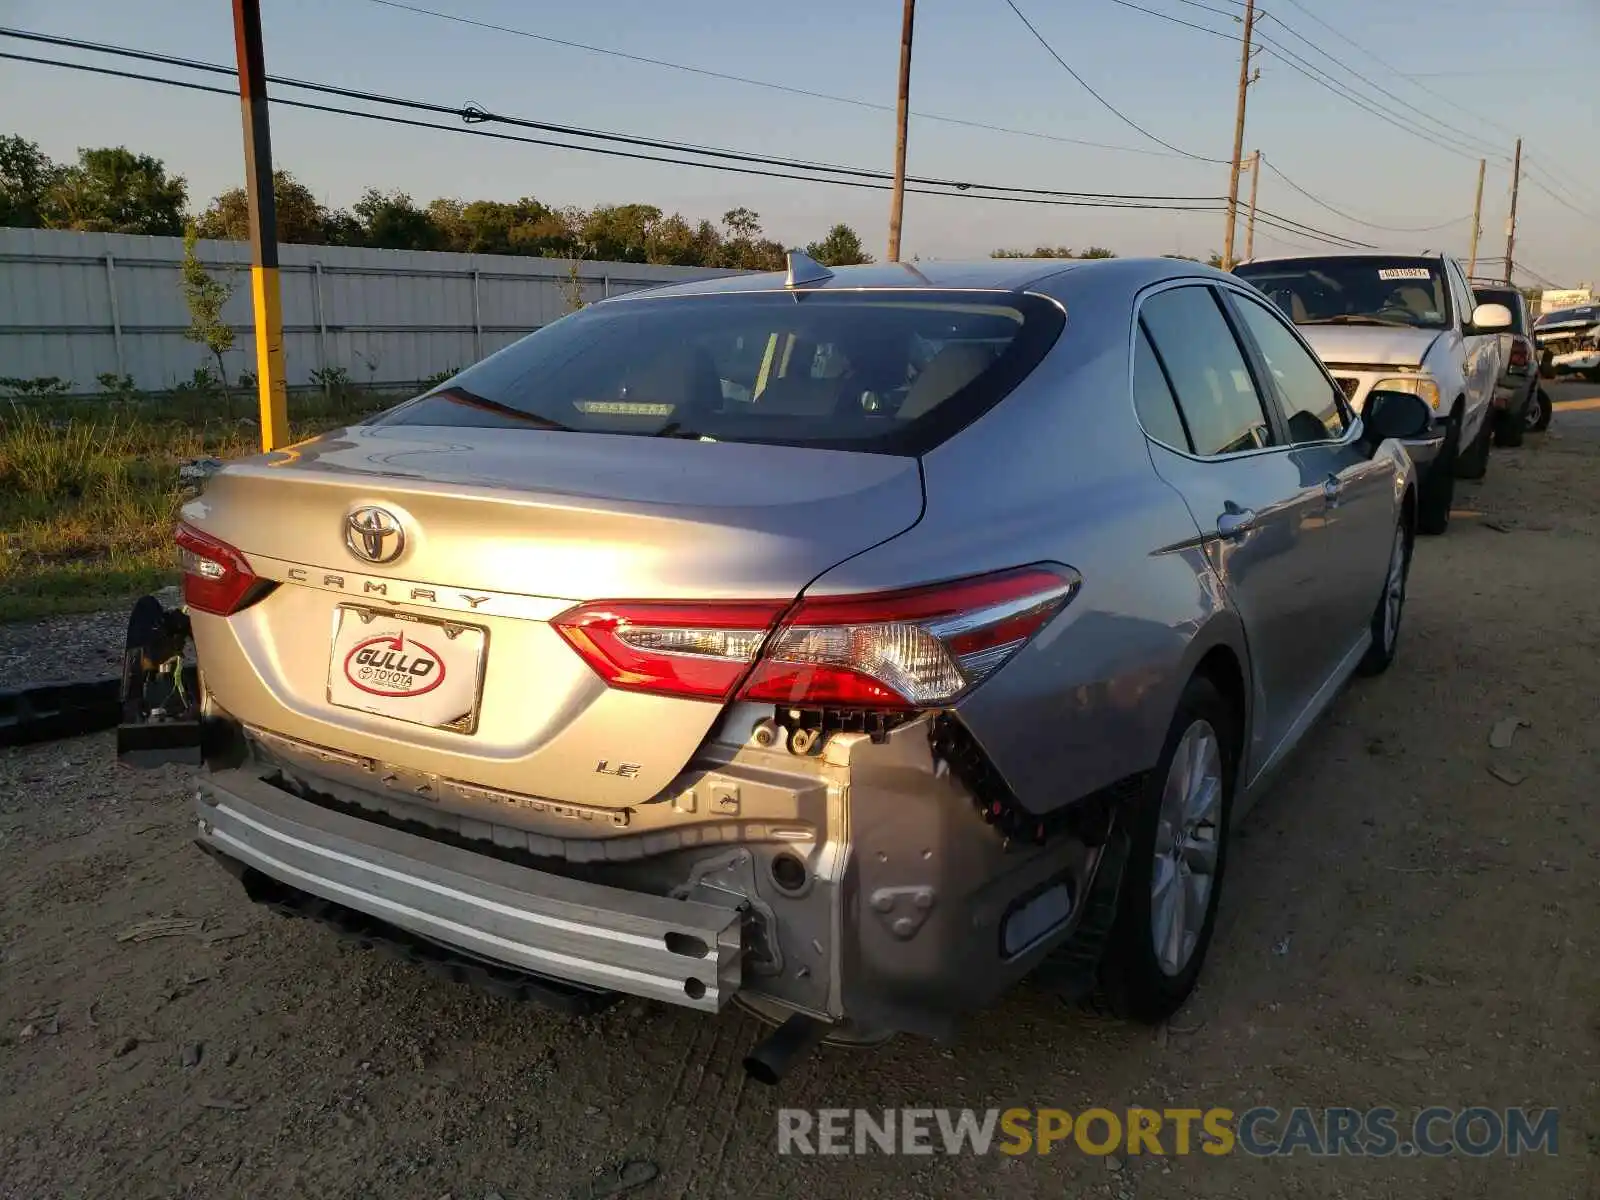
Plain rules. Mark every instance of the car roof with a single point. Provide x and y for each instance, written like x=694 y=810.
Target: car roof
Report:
x=986 y=274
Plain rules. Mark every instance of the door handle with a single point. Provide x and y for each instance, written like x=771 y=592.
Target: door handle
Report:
x=1236 y=522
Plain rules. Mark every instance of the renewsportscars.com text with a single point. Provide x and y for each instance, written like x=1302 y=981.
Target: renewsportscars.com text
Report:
x=1263 y=1132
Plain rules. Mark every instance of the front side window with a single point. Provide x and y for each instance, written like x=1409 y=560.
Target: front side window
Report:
x=1364 y=289
x=1313 y=408
x=887 y=371
x=1208 y=372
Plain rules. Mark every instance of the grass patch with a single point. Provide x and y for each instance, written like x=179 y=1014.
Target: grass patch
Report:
x=89 y=490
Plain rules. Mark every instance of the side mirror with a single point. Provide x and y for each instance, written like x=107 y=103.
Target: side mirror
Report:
x=1398 y=415
x=1489 y=318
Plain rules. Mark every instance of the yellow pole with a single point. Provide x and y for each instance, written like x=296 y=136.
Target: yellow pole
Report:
x=264 y=291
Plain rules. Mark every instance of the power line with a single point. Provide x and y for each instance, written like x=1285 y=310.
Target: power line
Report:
x=1550 y=191
x=1460 y=134
x=1314 y=73
x=1150 y=12
x=473 y=131
x=1317 y=75
x=1357 y=220
x=1387 y=66
x=1106 y=104
x=853 y=101
x=410 y=122
x=473 y=114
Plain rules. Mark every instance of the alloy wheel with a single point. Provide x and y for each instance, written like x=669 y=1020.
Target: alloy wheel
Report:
x=1188 y=836
x=1394 y=590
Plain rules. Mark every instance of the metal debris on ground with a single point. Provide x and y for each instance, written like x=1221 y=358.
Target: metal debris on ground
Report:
x=1507 y=775
x=1504 y=730
x=619 y=1178
x=198 y=470
x=1281 y=947
x=159 y=927
x=225 y=1105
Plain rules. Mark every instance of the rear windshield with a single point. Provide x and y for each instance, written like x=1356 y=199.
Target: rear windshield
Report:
x=1356 y=290
x=887 y=371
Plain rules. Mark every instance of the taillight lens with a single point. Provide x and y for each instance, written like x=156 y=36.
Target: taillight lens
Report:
x=699 y=650
x=216 y=577
x=916 y=648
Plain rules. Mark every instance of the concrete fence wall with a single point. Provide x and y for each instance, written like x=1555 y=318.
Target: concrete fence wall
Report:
x=78 y=305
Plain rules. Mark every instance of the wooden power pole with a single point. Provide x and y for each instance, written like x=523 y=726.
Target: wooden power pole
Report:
x=1511 y=221
x=1238 y=136
x=264 y=290
x=1250 y=225
x=1477 y=223
x=897 y=198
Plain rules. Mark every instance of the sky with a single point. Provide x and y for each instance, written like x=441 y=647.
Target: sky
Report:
x=1491 y=69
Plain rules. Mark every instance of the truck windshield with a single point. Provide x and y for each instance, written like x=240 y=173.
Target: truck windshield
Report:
x=1405 y=291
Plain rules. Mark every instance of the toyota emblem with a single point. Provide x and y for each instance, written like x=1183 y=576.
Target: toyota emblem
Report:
x=374 y=535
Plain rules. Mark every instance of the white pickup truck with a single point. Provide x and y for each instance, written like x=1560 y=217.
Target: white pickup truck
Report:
x=1402 y=322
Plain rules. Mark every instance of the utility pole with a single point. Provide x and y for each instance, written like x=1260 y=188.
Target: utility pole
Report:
x=897 y=198
x=266 y=298
x=1238 y=136
x=1511 y=221
x=1250 y=226
x=1477 y=227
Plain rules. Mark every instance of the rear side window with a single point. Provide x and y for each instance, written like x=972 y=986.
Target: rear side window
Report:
x=891 y=371
x=1153 y=398
x=1207 y=369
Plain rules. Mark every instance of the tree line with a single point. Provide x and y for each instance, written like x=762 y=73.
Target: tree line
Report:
x=113 y=190
x=110 y=189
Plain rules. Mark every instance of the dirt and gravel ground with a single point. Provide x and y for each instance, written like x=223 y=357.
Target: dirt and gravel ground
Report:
x=1402 y=927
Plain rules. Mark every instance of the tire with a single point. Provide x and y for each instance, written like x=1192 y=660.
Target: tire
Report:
x=1540 y=411
x=1438 y=490
x=1133 y=982
x=1473 y=462
x=1511 y=424
x=1391 y=606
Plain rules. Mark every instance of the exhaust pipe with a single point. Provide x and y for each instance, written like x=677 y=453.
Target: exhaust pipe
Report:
x=786 y=1045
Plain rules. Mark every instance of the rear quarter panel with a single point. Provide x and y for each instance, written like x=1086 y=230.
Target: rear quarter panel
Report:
x=1059 y=471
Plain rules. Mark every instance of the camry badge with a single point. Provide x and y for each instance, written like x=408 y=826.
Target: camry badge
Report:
x=374 y=535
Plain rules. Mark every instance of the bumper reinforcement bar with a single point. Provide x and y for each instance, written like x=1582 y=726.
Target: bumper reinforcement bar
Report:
x=679 y=951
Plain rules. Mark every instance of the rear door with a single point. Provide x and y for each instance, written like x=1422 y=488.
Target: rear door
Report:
x=1358 y=487
x=1259 y=510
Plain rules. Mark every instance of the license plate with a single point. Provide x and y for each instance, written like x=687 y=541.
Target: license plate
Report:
x=408 y=669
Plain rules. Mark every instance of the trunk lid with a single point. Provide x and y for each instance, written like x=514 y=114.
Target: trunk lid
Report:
x=503 y=530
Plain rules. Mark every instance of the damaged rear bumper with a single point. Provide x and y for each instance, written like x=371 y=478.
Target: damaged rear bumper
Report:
x=866 y=886
x=681 y=951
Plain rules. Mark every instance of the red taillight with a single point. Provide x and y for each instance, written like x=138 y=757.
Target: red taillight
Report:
x=216 y=577
x=1519 y=353
x=915 y=648
x=686 y=649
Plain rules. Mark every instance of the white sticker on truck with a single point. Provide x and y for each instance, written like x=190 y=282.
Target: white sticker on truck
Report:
x=1405 y=273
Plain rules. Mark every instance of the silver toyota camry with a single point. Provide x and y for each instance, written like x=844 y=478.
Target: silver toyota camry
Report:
x=849 y=645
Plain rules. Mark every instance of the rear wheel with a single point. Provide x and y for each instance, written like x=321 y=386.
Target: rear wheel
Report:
x=1539 y=411
x=1474 y=460
x=1438 y=490
x=1391 y=607
x=1177 y=852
